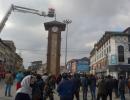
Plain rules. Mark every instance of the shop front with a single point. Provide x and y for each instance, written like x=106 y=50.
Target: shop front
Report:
x=120 y=70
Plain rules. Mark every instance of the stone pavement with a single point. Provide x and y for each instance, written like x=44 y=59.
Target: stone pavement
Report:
x=2 y=92
x=56 y=97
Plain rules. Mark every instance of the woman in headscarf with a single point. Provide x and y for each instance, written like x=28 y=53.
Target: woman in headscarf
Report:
x=25 y=92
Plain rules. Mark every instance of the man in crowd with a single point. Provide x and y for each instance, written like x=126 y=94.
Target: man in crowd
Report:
x=109 y=86
x=8 y=83
x=19 y=77
x=84 y=83
x=102 y=93
x=76 y=80
x=66 y=88
x=121 y=87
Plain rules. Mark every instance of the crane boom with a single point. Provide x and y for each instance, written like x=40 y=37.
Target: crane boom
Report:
x=51 y=13
x=2 y=24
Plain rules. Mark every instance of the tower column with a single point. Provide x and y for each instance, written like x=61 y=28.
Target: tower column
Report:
x=54 y=46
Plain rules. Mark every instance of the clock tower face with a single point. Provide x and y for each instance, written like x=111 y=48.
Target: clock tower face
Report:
x=55 y=29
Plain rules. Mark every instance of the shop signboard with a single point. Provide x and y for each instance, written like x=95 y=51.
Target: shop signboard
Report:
x=113 y=60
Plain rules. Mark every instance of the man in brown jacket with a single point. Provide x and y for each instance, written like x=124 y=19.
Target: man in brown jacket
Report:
x=102 y=92
x=8 y=82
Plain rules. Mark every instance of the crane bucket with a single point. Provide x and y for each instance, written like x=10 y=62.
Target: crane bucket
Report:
x=51 y=12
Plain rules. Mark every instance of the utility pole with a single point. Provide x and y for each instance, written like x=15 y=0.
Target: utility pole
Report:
x=67 y=22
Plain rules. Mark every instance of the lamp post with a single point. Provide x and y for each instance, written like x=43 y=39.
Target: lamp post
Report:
x=67 y=22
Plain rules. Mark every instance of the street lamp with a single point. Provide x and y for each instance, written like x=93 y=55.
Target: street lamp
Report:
x=66 y=21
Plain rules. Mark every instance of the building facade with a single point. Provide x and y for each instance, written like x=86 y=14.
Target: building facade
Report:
x=78 y=65
x=36 y=65
x=8 y=57
x=18 y=63
x=111 y=54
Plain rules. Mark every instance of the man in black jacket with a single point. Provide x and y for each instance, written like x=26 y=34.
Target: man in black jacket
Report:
x=102 y=93
x=109 y=88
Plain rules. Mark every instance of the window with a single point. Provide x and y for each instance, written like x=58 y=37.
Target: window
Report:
x=129 y=46
x=104 y=52
x=109 y=41
x=120 y=53
x=129 y=39
x=128 y=60
x=109 y=48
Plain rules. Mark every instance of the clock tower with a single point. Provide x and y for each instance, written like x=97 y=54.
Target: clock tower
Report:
x=54 y=29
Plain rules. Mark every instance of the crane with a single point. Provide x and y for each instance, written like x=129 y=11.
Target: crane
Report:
x=51 y=13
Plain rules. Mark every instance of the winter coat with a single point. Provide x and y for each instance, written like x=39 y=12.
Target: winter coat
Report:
x=77 y=83
x=66 y=88
x=93 y=82
x=19 y=77
x=8 y=78
x=109 y=84
x=101 y=87
x=121 y=85
x=84 y=82
x=37 y=90
x=115 y=83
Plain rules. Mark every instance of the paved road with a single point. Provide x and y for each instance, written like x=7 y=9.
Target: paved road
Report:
x=2 y=97
x=2 y=92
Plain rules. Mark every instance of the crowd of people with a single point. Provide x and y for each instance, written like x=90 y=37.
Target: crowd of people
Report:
x=32 y=86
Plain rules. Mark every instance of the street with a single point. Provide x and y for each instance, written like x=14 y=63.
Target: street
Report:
x=2 y=97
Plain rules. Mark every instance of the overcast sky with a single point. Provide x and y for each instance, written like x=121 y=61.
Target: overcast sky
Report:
x=90 y=20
